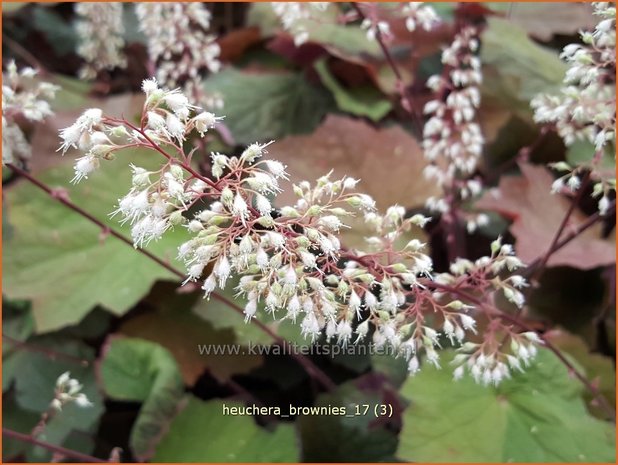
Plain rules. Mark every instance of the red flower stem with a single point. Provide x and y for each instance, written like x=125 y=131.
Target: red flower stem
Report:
x=312 y=369
x=52 y=354
x=405 y=97
x=186 y=167
x=51 y=447
x=565 y=221
x=591 y=221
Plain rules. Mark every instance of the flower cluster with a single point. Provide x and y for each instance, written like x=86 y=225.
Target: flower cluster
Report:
x=418 y=14
x=68 y=390
x=501 y=349
x=294 y=16
x=501 y=352
x=180 y=46
x=289 y=261
x=586 y=108
x=23 y=97
x=452 y=139
x=100 y=29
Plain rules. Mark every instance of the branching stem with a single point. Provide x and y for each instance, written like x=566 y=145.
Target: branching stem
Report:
x=316 y=373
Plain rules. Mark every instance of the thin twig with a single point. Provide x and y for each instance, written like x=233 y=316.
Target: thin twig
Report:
x=52 y=354
x=51 y=447
x=591 y=221
x=312 y=369
x=565 y=220
x=401 y=87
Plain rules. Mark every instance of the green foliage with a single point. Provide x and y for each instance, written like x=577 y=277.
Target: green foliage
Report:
x=331 y=104
x=323 y=27
x=363 y=101
x=200 y=433
x=222 y=317
x=33 y=374
x=583 y=151
x=264 y=106
x=182 y=332
x=350 y=437
x=516 y=68
x=62 y=38
x=142 y=371
x=538 y=416
x=74 y=266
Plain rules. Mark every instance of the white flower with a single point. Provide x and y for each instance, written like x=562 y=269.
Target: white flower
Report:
x=413 y=365
x=239 y=208
x=175 y=127
x=276 y=168
x=67 y=391
x=468 y=322
x=310 y=327
x=156 y=121
x=70 y=137
x=100 y=29
x=149 y=86
x=344 y=332
x=330 y=222
x=458 y=373
x=83 y=167
x=250 y=309
x=205 y=121
x=222 y=270
x=603 y=205
x=210 y=285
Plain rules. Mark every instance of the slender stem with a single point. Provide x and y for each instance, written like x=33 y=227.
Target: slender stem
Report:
x=405 y=97
x=43 y=350
x=63 y=199
x=591 y=221
x=169 y=157
x=51 y=447
x=565 y=220
x=305 y=362
x=600 y=399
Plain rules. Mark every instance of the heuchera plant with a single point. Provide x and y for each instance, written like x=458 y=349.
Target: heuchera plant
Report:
x=291 y=260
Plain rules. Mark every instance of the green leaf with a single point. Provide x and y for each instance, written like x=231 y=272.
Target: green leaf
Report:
x=221 y=317
x=362 y=101
x=12 y=7
x=538 y=416
x=599 y=368
x=516 y=68
x=185 y=334
x=17 y=322
x=35 y=374
x=323 y=28
x=58 y=32
x=264 y=106
x=582 y=152
x=17 y=419
x=201 y=433
x=58 y=259
x=353 y=437
x=143 y=371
